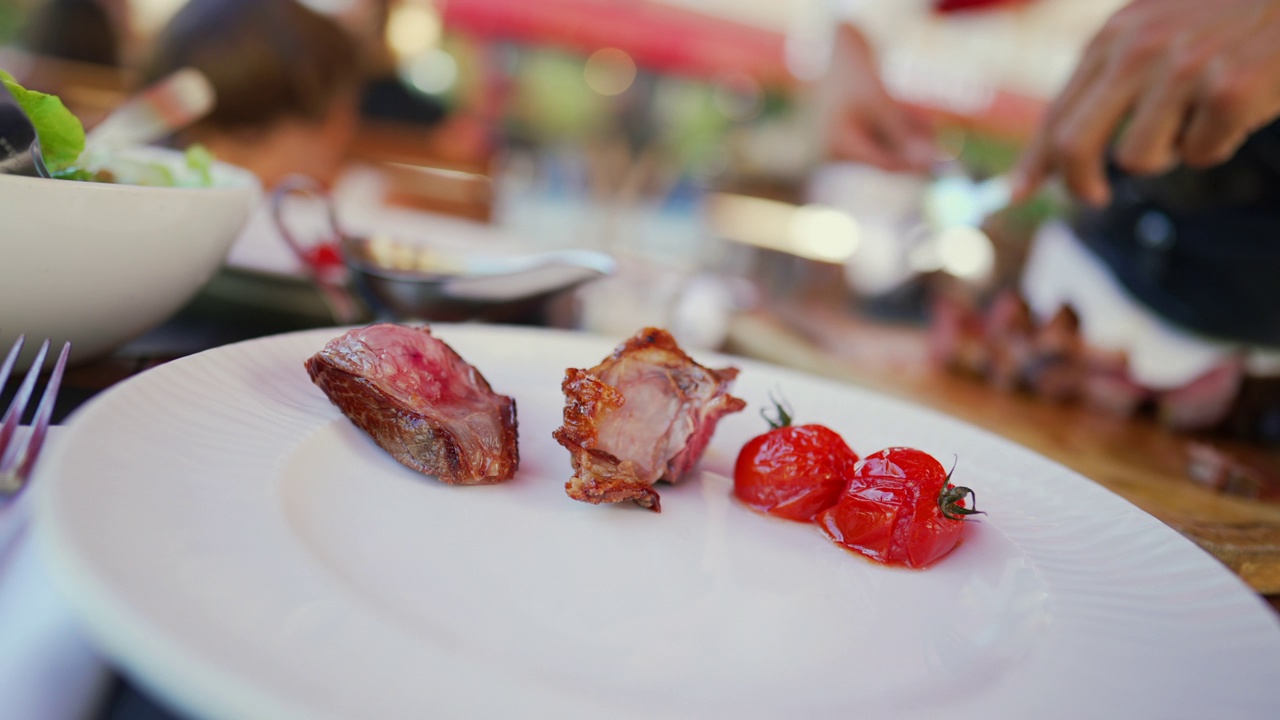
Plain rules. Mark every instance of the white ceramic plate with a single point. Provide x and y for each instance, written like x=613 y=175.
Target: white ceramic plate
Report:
x=241 y=548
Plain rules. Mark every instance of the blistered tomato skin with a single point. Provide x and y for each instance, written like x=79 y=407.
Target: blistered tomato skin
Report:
x=793 y=472
x=900 y=509
x=865 y=524
x=902 y=462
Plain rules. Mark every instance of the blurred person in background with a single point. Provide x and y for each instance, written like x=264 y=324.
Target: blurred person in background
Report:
x=86 y=31
x=1166 y=134
x=385 y=96
x=287 y=82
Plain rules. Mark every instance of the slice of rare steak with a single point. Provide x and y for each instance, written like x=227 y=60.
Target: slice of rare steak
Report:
x=645 y=414
x=421 y=402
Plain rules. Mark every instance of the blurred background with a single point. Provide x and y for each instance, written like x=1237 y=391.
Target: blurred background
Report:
x=680 y=135
x=686 y=142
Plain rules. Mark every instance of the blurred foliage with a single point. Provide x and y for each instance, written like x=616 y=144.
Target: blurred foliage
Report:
x=985 y=156
x=1043 y=206
x=552 y=100
x=776 y=103
x=13 y=15
x=691 y=125
x=552 y=103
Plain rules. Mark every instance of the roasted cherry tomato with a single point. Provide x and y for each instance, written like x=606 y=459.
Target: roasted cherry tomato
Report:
x=793 y=471
x=900 y=508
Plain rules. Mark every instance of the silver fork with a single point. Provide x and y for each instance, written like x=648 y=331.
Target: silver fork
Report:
x=18 y=456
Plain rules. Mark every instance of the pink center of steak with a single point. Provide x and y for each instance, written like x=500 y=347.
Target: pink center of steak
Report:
x=414 y=368
x=420 y=401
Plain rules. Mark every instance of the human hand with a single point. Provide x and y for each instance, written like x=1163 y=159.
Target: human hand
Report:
x=867 y=124
x=1183 y=81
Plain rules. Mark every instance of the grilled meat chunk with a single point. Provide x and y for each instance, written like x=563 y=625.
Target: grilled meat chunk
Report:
x=645 y=414
x=421 y=402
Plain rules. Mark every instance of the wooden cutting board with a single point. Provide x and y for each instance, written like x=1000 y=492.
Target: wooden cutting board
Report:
x=1137 y=459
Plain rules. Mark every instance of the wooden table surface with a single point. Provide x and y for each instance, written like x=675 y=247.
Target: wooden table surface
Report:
x=1135 y=458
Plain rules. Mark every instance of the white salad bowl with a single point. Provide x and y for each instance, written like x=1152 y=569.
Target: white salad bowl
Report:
x=99 y=264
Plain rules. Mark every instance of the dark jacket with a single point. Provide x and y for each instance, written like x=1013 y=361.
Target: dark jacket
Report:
x=1201 y=248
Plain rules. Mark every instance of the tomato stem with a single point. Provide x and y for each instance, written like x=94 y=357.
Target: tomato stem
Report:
x=951 y=500
x=783 y=418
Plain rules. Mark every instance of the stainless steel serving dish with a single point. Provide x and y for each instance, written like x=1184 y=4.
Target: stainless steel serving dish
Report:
x=506 y=287
x=382 y=278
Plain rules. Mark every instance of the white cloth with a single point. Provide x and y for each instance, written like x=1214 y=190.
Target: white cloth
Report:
x=48 y=670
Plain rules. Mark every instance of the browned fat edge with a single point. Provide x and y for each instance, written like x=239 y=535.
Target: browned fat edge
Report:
x=597 y=491
x=651 y=337
x=583 y=392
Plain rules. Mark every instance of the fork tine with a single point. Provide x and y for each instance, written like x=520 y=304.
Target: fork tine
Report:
x=11 y=360
x=44 y=412
x=17 y=406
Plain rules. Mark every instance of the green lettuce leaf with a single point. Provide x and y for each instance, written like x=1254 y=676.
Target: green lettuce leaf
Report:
x=201 y=160
x=60 y=132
